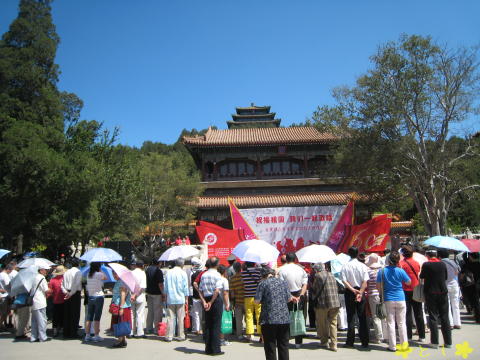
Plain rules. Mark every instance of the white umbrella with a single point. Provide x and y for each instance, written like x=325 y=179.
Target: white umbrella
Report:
x=180 y=251
x=101 y=255
x=24 y=281
x=39 y=262
x=315 y=253
x=257 y=251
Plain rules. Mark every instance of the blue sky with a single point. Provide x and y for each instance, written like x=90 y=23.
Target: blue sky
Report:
x=155 y=67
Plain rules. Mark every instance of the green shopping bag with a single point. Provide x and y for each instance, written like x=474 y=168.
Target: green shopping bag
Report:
x=297 y=322
x=227 y=326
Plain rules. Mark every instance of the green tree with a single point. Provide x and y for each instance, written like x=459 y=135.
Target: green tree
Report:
x=169 y=186
x=31 y=124
x=396 y=126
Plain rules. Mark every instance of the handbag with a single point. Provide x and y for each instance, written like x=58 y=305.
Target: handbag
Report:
x=380 y=309
x=227 y=323
x=122 y=328
x=297 y=322
x=113 y=309
x=162 y=329
x=20 y=301
x=419 y=290
x=186 y=321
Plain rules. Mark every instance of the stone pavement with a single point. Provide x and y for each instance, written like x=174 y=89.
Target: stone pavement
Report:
x=154 y=348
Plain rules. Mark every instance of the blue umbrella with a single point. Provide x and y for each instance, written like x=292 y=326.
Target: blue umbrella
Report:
x=3 y=252
x=101 y=255
x=105 y=269
x=446 y=242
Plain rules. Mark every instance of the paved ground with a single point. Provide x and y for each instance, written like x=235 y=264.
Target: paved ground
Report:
x=154 y=348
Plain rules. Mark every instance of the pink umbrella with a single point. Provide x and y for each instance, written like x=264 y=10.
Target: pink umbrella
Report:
x=126 y=276
x=472 y=244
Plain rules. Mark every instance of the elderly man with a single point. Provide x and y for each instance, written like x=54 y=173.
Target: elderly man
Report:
x=176 y=296
x=210 y=288
x=71 y=287
x=154 y=296
x=355 y=278
x=325 y=292
x=40 y=291
x=139 y=301
x=297 y=280
x=434 y=274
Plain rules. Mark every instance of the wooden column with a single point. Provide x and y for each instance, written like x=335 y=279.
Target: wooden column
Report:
x=305 y=165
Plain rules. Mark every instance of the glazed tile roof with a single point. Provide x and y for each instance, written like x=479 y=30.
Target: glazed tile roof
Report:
x=401 y=224
x=304 y=199
x=261 y=136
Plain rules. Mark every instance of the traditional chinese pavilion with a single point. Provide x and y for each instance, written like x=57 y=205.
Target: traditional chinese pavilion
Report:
x=260 y=164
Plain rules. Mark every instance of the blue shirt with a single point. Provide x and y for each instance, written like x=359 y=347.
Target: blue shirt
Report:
x=392 y=283
x=116 y=294
x=176 y=286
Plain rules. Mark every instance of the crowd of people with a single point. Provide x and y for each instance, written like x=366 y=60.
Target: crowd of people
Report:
x=377 y=296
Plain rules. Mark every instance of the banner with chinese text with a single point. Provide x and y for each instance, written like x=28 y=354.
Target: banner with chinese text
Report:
x=292 y=228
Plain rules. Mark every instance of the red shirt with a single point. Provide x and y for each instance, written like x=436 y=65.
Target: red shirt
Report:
x=407 y=265
x=55 y=284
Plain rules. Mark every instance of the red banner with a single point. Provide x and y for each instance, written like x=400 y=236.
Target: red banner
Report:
x=220 y=241
x=371 y=236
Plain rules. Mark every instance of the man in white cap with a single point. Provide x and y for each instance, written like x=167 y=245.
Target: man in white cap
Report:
x=40 y=291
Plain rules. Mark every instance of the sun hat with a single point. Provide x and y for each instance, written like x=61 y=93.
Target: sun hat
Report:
x=59 y=270
x=372 y=261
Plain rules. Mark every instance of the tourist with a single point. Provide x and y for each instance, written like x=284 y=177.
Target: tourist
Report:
x=327 y=305
x=251 y=278
x=297 y=280
x=4 y=290
x=154 y=291
x=122 y=303
x=273 y=294
x=224 y=294
x=210 y=286
x=469 y=279
x=71 y=288
x=412 y=268
x=231 y=259
x=176 y=296
x=197 y=306
x=390 y=280
x=58 y=298
x=139 y=300
x=434 y=274
x=453 y=289
x=95 y=293
x=39 y=291
x=373 y=297
x=237 y=295
x=355 y=278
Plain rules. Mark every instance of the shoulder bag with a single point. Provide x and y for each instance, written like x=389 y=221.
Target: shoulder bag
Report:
x=419 y=290
x=297 y=322
x=380 y=309
x=29 y=300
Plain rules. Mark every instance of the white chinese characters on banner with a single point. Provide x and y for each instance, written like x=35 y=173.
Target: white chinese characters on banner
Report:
x=292 y=228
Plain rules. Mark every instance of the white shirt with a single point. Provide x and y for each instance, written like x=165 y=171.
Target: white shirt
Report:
x=141 y=279
x=4 y=282
x=72 y=281
x=95 y=284
x=12 y=274
x=294 y=275
x=39 y=299
x=210 y=281
x=355 y=273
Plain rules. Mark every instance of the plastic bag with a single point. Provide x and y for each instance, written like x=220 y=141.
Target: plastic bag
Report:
x=227 y=325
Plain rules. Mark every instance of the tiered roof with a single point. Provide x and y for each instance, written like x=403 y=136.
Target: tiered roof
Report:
x=253 y=116
x=260 y=136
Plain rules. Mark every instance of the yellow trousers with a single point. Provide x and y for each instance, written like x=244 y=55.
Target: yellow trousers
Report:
x=250 y=308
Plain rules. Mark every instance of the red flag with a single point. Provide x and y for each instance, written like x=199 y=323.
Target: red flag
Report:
x=220 y=241
x=239 y=222
x=340 y=233
x=371 y=236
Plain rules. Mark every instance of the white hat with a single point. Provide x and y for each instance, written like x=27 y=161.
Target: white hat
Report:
x=196 y=261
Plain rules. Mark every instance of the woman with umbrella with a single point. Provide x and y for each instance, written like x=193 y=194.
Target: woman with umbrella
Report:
x=121 y=305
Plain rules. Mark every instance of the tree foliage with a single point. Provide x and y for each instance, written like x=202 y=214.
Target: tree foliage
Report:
x=397 y=124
